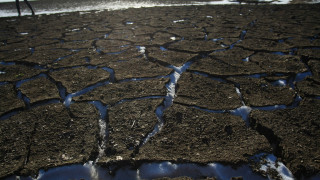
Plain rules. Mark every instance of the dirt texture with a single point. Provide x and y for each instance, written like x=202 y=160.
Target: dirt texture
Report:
x=203 y=92
x=48 y=136
x=195 y=84
x=191 y=135
x=9 y=100
x=137 y=119
x=295 y=133
x=79 y=78
x=114 y=93
x=40 y=89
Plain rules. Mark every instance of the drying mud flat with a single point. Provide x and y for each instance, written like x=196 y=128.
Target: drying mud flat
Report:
x=113 y=92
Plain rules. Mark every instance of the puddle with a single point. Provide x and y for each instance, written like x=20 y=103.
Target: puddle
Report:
x=90 y=171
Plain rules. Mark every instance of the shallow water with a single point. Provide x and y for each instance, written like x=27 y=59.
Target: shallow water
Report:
x=8 y=7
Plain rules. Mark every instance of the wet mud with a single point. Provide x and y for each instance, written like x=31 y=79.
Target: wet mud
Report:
x=234 y=85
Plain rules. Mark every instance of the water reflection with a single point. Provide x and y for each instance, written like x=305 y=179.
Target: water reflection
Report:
x=8 y=8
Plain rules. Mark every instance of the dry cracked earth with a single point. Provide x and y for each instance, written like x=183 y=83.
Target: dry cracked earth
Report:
x=196 y=84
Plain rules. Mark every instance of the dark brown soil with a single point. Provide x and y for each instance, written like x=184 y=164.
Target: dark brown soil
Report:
x=203 y=92
x=40 y=89
x=78 y=78
x=9 y=100
x=192 y=135
x=295 y=133
x=117 y=67
x=48 y=136
x=113 y=93
x=129 y=123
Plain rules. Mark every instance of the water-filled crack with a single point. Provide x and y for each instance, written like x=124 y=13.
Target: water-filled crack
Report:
x=103 y=127
x=68 y=99
x=171 y=93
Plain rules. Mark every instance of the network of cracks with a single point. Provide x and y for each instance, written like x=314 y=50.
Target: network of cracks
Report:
x=215 y=91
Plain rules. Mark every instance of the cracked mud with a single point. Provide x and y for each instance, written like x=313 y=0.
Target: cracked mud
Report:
x=161 y=84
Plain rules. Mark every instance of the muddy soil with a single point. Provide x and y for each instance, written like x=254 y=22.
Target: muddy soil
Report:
x=161 y=84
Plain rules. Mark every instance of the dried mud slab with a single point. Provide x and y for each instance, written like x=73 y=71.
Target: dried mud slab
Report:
x=263 y=45
x=14 y=55
x=138 y=68
x=195 y=46
x=161 y=38
x=224 y=63
x=81 y=58
x=113 y=93
x=192 y=135
x=296 y=133
x=112 y=46
x=9 y=99
x=45 y=55
x=259 y=92
x=17 y=72
x=273 y=63
x=59 y=139
x=309 y=87
x=188 y=33
x=311 y=53
x=76 y=79
x=196 y=90
x=170 y=57
x=232 y=56
x=315 y=69
x=129 y=123
x=40 y=89
x=217 y=67
x=79 y=44
x=15 y=137
x=82 y=34
x=114 y=59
